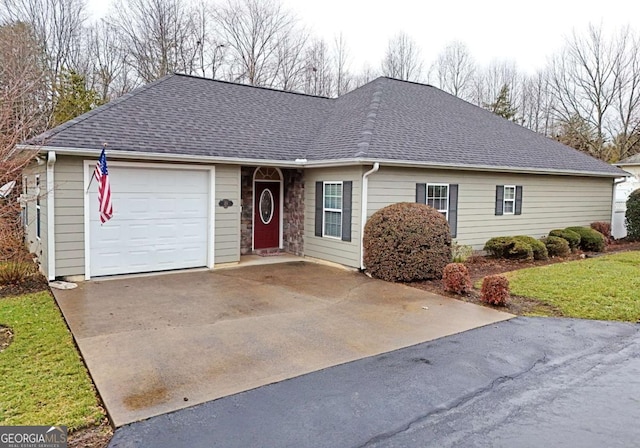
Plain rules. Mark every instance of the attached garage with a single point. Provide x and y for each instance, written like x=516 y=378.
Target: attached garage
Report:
x=162 y=219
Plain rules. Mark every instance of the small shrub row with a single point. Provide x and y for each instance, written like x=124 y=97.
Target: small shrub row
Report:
x=585 y=238
x=556 y=246
x=590 y=240
x=569 y=236
x=517 y=247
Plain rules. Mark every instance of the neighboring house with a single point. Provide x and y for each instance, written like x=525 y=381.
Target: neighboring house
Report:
x=623 y=189
x=205 y=171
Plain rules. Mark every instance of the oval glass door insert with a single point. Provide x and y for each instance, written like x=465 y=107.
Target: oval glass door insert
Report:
x=266 y=206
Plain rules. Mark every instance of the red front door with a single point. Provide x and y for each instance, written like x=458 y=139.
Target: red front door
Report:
x=266 y=215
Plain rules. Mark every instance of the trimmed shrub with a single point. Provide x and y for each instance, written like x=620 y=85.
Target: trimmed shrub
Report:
x=455 y=278
x=590 y=240
x=509 y=247
x=516 y=247
x=460 y=252
x=632 y=215
x=556 y=246
x=571 y=237
x=495 y=290
x=538 y=247
x=604 y=228
x=407 y=242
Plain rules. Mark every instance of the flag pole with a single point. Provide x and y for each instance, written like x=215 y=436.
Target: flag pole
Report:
x=93 y=175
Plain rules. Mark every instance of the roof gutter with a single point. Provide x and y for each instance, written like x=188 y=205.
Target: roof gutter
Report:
x=363 y=211
x=304 y=163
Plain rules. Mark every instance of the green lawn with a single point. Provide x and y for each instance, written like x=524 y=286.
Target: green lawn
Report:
x=606 y=287
x=44 y=381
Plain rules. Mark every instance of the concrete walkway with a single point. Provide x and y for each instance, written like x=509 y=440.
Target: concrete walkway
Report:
x=156 y=344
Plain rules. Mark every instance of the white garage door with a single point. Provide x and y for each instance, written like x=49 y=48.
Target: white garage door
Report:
x=160 y=219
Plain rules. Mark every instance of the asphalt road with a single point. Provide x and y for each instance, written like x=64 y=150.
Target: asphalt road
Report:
x=526 y=382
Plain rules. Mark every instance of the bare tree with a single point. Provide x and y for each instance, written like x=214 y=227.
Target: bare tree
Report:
x=255 y=31
x=110 y=70
x=402 y=59
x=627 y=102
x=57 y=25
x=341 y=62
x=583 y=83
x=319 y=79
x=292 y=65
x=454 y=70
x=159 y=35
x=23 y=90
x=536 y=105
x=366 y=74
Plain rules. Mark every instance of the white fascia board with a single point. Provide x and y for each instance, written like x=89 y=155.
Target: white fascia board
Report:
x=303 y=163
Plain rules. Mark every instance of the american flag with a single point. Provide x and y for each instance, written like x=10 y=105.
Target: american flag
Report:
x=104 y=189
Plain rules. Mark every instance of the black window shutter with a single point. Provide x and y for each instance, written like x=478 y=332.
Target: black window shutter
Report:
x=453 y=209
x=518 y=210
x=347 y=187
x=499 y=199
x=319 y=207
x=421 y=193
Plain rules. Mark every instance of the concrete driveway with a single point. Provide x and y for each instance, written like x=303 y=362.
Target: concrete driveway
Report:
x=156 y=344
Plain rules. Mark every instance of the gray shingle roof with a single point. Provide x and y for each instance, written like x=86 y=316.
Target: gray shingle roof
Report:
x=633 y=160
x=385 y=119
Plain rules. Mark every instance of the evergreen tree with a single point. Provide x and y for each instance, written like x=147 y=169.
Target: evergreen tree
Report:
x=502 y=105
x=73 y=98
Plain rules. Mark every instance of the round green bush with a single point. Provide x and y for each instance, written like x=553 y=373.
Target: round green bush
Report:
x=571 y=237
x=556 y=246
x=537 y=246
x=590 y=240
x=632 y=215
x=407 y=242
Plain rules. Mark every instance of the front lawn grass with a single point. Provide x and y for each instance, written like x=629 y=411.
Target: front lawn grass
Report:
x=43 y=380
x=603 y=288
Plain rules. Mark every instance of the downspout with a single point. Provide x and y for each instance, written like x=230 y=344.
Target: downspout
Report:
x=363 y=214
x=51 y=232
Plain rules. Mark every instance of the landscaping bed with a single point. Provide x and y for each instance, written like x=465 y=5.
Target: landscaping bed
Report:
x=480 y=266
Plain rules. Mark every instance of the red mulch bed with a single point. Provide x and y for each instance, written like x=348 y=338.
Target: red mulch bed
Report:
x=480 y=266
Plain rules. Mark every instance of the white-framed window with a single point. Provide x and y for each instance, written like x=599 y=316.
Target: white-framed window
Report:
x=38 y=212
x=332 y=210
x=438 y=198
x=509 y=206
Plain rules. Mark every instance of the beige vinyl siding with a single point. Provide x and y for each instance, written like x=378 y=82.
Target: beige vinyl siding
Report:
x=69 y=216
x=227 y=221
x=35 y=245
x=549 y=201
x=332 y=249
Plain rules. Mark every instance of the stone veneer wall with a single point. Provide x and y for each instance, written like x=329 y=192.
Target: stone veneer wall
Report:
x=246 y=218
x=293 y=219
x=293 y=231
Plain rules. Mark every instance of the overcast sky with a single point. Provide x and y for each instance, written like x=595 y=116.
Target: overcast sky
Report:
x=525 y=32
